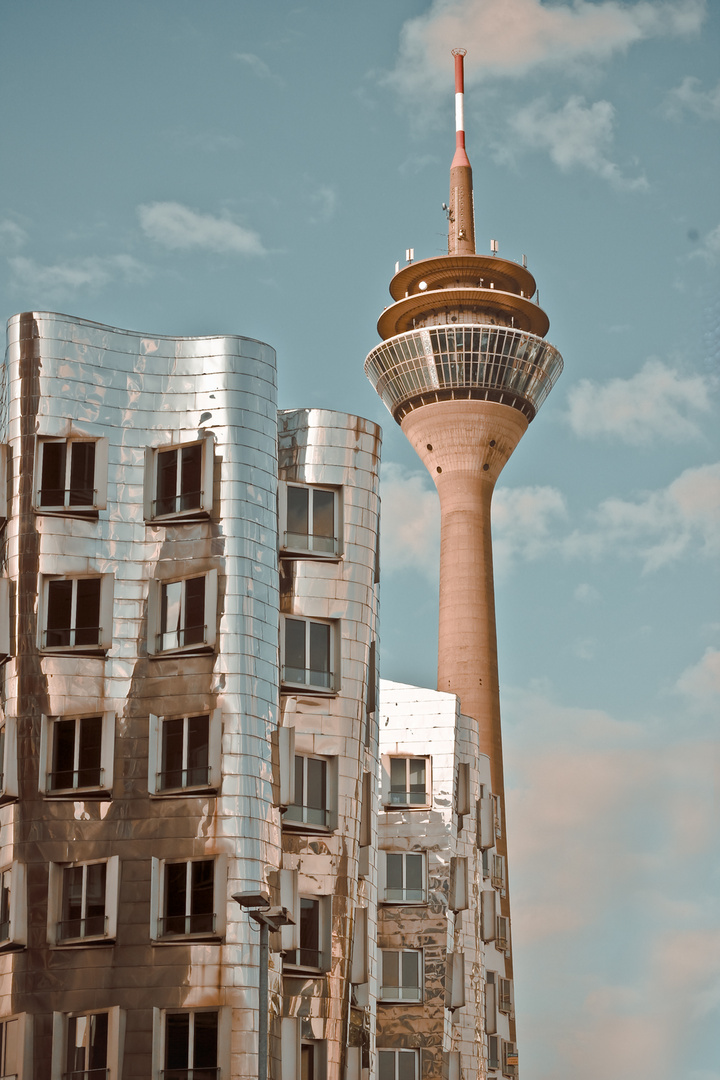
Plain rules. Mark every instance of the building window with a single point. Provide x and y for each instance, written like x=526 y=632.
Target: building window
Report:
x=493 y=1052
x=313 y=1055
x=191 y=1045
x=502 y=933
x=401 y=975
x=314 y=803
x=8 y=760
x=505 y=996
x=405 y=880
x=407 y=782
x=182 y=615
x=15 y=1047
x=398 y=1064
x=82 y=906
x=312 y=935
x=13 y=908
x=509 y=1058
x=491 y=1011
x=498 y=871
x=71 y=475
x=309 y=648
x=77 y=754
x=311 y=520
x=77 y=613
x=86 y=1046
x=188 y=898
x=184 y=753
x=179 y=480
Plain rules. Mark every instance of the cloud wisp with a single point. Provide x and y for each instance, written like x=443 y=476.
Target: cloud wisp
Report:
x=657 y=403
x=689 y=97
x=178 y=227
x=90 y=273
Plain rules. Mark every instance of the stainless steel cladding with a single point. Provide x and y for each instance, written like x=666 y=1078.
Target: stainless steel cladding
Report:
x=141 y=693
x=329 y=514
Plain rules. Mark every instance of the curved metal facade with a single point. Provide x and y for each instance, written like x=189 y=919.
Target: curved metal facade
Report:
x=494 y=363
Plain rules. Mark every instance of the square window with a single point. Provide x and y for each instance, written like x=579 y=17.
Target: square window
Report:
x=188 y=899
x=86 y=1046
x=406 y=782
x=311 y=520
x=314 y=806
x=77 y=755
x=83 y=902
x=184 y=753
x=13 y=908
x=401 y=975
x=309 y=654
x=398 y=1064
x=179 y=481
x=76 y=614
x=71 y=476
x=182 y=615
x=405 y=877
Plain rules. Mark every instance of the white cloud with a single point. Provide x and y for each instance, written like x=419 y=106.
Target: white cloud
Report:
x=709 y=249
x=511 y=38
x=91 y=272
x=586 y=594
x=701 y=682
x=522 y=523
x=257 y=66
x=324 y=202
x=177 y=226
x=688 y=97
x=656 y=403
x=11 y=235
x=660 y=527
x=575 y=136
x=410 y=538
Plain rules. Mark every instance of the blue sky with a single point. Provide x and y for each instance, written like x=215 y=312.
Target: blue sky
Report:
x=234 y=167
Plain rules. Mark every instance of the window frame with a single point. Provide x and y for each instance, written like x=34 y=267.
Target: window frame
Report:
x=387 y=793
x=115 y=1041
x=158 y=900
x=300 y=823
x=9 y=790
x=502 y=933
x=385 y=996
x=494 y=1050
x=396 y=1051
x=15 y=908
x=384 y=888
x=334 y=681
x=508 y=1048
x=490 y=1006
x=291 y=935
x=155 y=752
x=224 y=1038
x=308 y=551
x=56 y=894
x=100 y=476
x=505 y=996
x=155 y=630
x=24 y=1045
x=497 y=872
x=150 y=481
x=105 y=629
x=107 y=757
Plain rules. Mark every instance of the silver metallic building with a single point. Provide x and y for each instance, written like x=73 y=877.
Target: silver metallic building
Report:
x=188 y=631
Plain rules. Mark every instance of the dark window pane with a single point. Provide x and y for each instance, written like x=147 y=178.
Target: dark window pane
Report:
x=324 y=517
x=398 y=774
x=190 y=477
x=175 y=897
x=319 y=654
x=309 y=931
x=166 y=482
x=82 y=475
x=406 y=1065
x=316 y=784
x=206 y=1039
x=177 y=1040
x=63 y=756
x=394 y=873
x=386 y=1059
x=72 y=899
x=52 y=479
x=95 y=891
x=59 y=612
x=98 y=1041
x=87 y=611
x=194 y=611
x=172 y=753
x=297 y=517
x=295 y=650
x=307 y=1062
x=410 y=969
x=391 y=969
x=198 y=739
x=413 y=872
x=202 y=900
x=299 y=781
x=90 y=750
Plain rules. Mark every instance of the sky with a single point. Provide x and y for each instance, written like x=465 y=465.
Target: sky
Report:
x=234 y=167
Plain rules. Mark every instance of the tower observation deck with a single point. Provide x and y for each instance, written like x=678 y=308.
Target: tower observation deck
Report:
x=463 y=367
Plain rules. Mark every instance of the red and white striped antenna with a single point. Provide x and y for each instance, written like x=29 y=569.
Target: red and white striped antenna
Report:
x=461 y=157
x=461 y=217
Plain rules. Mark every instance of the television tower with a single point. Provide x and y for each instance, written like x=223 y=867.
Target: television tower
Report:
x=463 y=367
